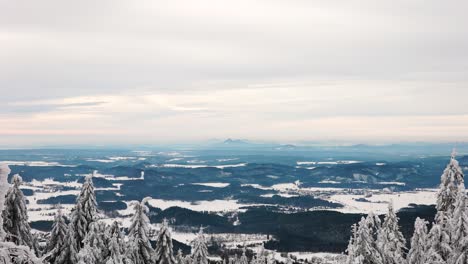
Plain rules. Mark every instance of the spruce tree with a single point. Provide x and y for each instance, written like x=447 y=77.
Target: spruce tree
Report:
x=115 y=250
x=57 y=238
x=15 y=215
x=114 y=235
x=180 y=257
x=163 y=250
x=199 y=249
x=95 y=249
x=69 y=252
x=459 y=234
x=351 y=249
x=390 y=241
x=419 y=243
x=4 y=172
x=139 y=246
x=364 y=249
x=243 y=259
x=450 y=180
x=84 y=213
x=439 y=241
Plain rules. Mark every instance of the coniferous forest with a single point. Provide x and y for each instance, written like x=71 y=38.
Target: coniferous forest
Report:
x=81 y=238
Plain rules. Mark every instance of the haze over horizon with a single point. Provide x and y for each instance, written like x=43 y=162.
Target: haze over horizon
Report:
x=113 y=72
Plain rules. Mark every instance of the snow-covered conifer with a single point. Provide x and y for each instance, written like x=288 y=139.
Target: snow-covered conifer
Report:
x=390 y=241
x=459 y=226
x=95 y=244
x=115 y=251
x=350 y=251
x=439 y=241
x=451 y=179
x=180 y=257
x=199 y=249
x=364 y=251
x=15 y=215
x=69 y=252
x=84 y=213
x=139 y=246
x=4 y=172
x=243 y=259
x=163 y=251
x=188 y=259
x=419 y=243
x=115 y=231
x=57 y=238
x=374 y=224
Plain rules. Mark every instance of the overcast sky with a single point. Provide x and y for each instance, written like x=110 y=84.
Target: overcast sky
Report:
x=103 y=72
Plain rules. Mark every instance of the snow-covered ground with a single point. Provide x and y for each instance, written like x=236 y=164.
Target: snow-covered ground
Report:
x=207 y=206
x=194 y=166
x=213 y=184
x=36 y=163
x=378 y=202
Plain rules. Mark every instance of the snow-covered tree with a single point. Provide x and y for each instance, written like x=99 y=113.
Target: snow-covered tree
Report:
x=419 y=243
x=115 y=241
x=451 y=179
x=351 y=249
x=243 y=259
x=115 y=251
x=139 y=246
x=199 y=249
x=459 y=228
x=84 y=213
x=188 y=259
x=57 y=238
x=364 y=251
x=4 y=172
x=15 y=215
x=163 y=251
x=439 y=241
x=374 y=224
x=390 y=241
x=95 y=249
x=69 y=252
x=180 y=257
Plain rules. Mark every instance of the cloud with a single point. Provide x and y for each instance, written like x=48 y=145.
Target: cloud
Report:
x=238 y=68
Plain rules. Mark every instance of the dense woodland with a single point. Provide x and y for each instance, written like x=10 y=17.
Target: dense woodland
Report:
x=81 y=238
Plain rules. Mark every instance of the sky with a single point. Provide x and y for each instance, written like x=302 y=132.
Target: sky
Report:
x=166 y=71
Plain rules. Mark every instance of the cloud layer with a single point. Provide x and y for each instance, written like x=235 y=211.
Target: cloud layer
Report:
x=158 y=71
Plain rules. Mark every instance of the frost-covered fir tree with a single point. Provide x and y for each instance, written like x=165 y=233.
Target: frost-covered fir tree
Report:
x=459 y=229
x=57 y=238
x=450 y=180
x=115 y=241
x=95 y=249
x=4 y=172
x=390 y=241
x=374 y=224
x=243 y=259
x=439 y=245
x=364 y=251
x=419 y=243
x=350 y=250
x=163 y=251
x=84 y=213
x=139 y=246
x=188 y=259
x=180 y=257
x=199 y=249
x=69 y=252
x=15 y=215
x=115 y=254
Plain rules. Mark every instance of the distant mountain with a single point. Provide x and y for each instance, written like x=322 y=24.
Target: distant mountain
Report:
x=231 y=141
